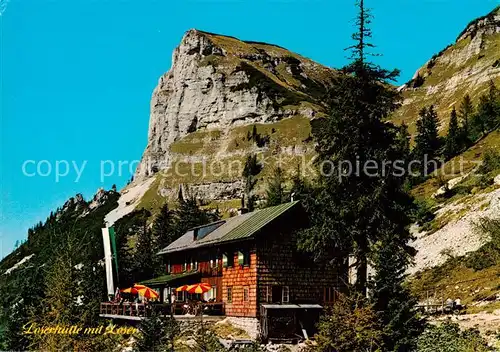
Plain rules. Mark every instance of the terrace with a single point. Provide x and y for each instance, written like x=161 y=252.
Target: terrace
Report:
x=180 y=311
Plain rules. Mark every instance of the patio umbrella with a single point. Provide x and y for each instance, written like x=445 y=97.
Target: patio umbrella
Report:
x=141 y=290
x=202 y=287
x=130 y=290
x=147 y=292
x=181 y=288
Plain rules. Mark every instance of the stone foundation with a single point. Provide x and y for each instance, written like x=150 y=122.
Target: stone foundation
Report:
x=250 y=325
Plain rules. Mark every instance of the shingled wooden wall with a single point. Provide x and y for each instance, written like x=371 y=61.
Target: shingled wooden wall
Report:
x=238 y=278
x=280 y=264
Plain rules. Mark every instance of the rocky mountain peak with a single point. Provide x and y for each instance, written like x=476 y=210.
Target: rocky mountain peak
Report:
x=76 y=203
x=464 y=67
x=218 y=82
x=485 y=25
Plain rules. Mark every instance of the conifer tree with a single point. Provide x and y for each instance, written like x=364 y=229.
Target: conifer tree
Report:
x=403 y=139
x=164 y=231
x=393 y=301
x=251 y=170
x=157 y=334
x=189 y=215
x=145 y=258
x=487 y=116
x=353 y=212
x=131 y=226
x=300 y=189
x=427 y=142
x=452 y=143
x=61 y=297
x=275 y=188
x=351 y=209
x=465 y=112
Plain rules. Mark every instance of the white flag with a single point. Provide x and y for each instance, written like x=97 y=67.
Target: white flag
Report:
x=108 y=262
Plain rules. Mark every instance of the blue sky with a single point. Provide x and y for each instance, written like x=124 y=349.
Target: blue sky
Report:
x=76 y=76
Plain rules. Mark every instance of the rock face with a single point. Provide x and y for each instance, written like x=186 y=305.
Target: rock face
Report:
x=466 y=67
x=217 y=82
x=220 y=90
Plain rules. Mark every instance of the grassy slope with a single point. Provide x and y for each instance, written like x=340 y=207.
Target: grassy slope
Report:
x=468 y=159
x=288 y=141
x=439 y=87
x=453 y=279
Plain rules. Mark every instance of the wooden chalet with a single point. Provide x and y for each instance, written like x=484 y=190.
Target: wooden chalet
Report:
x=255 y=270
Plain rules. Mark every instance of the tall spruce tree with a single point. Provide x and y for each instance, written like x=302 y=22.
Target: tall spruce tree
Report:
x=352 y=209
x=427 y=141
x=452 y=142
x=275 y=188
x=61 y=296
x=128 y=229
x=392 y=299
x=403 y=139
x=164 y=230
x=189 y=215
x=355 y=210
x=487 y=116
x=145 y=258
x=300 y=189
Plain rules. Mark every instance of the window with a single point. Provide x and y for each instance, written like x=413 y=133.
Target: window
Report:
x=214 y=262
x=246 y=294
x=211 y=295
x=269 y=294
x=201 y=232
x=184 y=266
x=180 y=296
x=194 y=265
x=169 y=268
x=228 y=260
x=229 y=295
x=244 y=258
x=285 y=295
x=278 y=294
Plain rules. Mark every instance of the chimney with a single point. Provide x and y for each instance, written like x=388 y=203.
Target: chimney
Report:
x=243 y=209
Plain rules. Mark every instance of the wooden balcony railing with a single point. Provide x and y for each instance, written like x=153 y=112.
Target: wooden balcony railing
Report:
x=127 y=309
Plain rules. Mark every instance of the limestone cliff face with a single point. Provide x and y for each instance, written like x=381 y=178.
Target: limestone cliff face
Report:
x=464 y=67
x=218 y=82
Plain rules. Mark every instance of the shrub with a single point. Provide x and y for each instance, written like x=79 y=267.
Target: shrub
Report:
x=489 y=254
x=447 y=337
x=491 y=162
x=423 y=212
x=207 y=341
x=481 y=259
x=349 y=325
